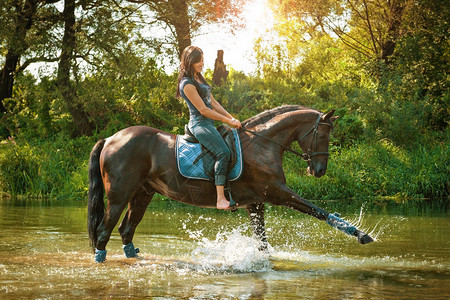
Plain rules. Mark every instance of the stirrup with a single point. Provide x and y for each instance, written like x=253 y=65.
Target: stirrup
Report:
x=233 y=204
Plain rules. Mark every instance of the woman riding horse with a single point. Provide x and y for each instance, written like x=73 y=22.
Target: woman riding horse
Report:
x=139 y=161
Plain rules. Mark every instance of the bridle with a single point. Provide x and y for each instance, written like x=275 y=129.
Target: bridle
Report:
x=312 y=146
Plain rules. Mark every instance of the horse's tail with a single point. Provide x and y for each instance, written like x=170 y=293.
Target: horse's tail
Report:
x=96 y=207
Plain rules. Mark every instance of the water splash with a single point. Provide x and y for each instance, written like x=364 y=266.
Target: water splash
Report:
x=230 y=251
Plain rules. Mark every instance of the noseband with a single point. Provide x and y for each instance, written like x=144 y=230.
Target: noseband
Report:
x=305 y=156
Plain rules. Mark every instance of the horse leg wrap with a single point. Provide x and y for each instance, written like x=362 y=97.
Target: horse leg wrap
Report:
x=340 y=224
x=130 y=251
x=100 y=255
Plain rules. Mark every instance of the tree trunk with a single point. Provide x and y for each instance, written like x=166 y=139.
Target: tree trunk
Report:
x=7 y=78
x=181 y=24
x=220 y=71
x=396 y=11
x=17 y=45
x=67 y=90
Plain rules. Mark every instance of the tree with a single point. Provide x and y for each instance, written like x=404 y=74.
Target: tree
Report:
x=65 y=67
x=24 y=27
x=370 y=27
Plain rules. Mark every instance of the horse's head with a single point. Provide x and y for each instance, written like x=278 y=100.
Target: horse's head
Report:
x=314 y=144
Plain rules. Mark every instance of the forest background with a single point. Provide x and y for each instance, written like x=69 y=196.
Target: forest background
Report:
x=382 y=64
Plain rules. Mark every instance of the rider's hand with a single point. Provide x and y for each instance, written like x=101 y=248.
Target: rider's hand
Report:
x=235 y=123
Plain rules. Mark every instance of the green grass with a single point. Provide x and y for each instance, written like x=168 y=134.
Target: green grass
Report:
x=377 y=169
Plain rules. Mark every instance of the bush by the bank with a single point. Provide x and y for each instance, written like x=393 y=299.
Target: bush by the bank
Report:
x=55 y=168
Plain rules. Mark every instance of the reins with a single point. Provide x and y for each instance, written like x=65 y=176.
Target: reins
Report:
x=305 y=156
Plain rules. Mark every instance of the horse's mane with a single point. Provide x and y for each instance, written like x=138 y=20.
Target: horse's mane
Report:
x=269 y=114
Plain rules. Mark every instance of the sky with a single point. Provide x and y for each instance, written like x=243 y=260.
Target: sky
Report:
x=237 y=47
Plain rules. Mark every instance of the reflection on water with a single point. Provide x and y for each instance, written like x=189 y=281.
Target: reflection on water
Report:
x=197 y=253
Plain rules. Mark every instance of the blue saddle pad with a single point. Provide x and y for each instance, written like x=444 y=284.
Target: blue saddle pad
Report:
x=187 y=152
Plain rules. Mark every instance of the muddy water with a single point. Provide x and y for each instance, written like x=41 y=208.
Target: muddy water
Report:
x=192 y=253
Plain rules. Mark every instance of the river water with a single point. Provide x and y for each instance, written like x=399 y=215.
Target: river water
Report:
x=193 y=253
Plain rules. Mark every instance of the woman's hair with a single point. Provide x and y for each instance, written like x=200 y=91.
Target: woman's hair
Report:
x=191 y=55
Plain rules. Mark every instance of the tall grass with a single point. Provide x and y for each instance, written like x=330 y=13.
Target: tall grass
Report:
x=54 y=168
x=376 y=169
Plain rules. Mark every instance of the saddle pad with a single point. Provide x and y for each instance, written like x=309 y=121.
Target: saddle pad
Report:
x=187 y=152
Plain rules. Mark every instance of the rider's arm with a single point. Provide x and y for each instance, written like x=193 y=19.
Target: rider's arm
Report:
x=218 y=108
x=191 y=92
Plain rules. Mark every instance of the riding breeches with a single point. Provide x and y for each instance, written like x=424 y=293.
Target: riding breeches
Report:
x=206 y=133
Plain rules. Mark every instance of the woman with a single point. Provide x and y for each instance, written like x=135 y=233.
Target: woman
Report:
x=204 y=109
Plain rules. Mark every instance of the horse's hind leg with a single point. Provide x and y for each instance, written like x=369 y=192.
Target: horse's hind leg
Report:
x=134 y=215
x=256 y=215
x=117 y=201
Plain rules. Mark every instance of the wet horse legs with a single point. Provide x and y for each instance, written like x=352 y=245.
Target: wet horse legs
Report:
x=256 y=215
x=132 y=218
x=117 y=201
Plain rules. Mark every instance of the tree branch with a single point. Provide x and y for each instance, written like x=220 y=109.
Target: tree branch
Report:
x=366 y=9
x=340 y=33
x=35 y=60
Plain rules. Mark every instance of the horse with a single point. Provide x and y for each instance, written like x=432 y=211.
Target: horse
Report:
x=139 y=161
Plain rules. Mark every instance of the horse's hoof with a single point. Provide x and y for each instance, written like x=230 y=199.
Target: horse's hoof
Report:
x=364 y=238
x=130 y=251
x=100 y=255
x=264 y=247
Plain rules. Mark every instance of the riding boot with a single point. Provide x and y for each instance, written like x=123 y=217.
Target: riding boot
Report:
x=233 y=204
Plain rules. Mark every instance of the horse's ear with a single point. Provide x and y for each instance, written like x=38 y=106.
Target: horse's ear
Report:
x=328 y=115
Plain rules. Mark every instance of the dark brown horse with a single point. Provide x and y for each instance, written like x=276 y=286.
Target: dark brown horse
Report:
x=137 y=162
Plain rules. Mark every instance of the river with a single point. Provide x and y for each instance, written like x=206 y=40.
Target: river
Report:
x=193 y=253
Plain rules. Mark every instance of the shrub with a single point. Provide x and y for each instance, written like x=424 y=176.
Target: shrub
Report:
x=18 y=168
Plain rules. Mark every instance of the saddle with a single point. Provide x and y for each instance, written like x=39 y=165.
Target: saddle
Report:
x=196 y=162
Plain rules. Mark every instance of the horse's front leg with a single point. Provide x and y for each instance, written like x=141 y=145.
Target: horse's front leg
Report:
x=256 y=215
x=281 y=195
x=284 y=196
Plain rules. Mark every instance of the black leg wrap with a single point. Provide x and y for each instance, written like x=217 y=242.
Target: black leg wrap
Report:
x=363 y=238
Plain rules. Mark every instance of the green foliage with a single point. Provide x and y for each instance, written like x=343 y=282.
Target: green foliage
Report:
x=18 y=168
x=35 y=109
x=56 y=167
x=376 y=169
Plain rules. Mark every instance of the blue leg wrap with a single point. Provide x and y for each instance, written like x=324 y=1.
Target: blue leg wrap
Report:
x=100 y=255
x=129 y=250
x=340 y=224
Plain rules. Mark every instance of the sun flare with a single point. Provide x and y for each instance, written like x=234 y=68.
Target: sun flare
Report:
x=238 y=46
x=258 y=18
